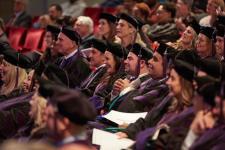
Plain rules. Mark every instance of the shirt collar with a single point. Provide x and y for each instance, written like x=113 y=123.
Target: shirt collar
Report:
x=71 y=54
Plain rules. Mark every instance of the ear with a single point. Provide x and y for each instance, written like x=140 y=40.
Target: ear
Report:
x=142 y=63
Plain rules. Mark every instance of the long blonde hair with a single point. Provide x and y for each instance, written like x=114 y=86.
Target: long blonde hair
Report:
x=14 y=78
x=186 y=95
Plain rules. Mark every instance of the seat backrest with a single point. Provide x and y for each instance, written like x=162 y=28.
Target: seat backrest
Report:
x=33 y=39
x=93 y=13
x=16 y=36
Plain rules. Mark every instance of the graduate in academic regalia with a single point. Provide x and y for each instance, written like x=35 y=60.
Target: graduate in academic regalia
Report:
x=73 y=62
x=136 y=66
x=114 y=61
x=127 y=30
x=97 y=59
x=205 y=47
x=67 y=114
x=107 y=26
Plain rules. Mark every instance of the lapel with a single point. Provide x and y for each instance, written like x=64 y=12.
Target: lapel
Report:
x=94 y=76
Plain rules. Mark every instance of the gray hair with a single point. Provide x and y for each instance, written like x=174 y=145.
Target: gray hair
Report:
x=85 y=20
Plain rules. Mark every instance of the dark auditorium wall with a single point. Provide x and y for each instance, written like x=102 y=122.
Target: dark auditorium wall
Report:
x=35 y=7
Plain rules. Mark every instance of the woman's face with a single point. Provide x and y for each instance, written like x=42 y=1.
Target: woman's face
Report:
x=110 y=62
x=174 y=83
x=27 y=82
x=103 y=27
x=4 y=69
x=219 y=45
x=203 y=46
x=211 y=7
x=48 y=39
x=188 y=36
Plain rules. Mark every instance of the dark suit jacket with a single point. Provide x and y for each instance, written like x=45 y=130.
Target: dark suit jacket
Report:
x=23 y=20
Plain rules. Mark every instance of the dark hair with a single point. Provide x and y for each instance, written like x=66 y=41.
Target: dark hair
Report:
x=57 y=7
x=170 y=7
x=112 y=32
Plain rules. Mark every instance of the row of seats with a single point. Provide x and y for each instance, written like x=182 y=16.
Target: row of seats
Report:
x=24 y=40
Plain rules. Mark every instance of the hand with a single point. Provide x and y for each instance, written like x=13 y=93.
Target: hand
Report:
x=202 y=122
x=120 y=84
x=121 y=135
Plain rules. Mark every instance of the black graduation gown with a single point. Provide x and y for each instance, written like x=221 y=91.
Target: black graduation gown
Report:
x=126 y=103
x=89 y=84
x=151 y=119
x=211 y=138
x=76 y=68
x=172 y=139
x=16 y=58
x=13 y=115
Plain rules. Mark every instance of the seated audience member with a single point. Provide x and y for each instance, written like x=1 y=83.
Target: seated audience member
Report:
x=205 y=43
x=189 y=36
x=43 y=22
x=127 y=30
x=97 y=59
x=73 y=8
x=184 y=11
x=136 y=67
x=20 y=18
x=207 y=129
x=114 y=61
x=178 y=100
x=212 y=7
x=70 y=110
x=84 y=26
x=219 y=45
x=73 y=63
x=12 y=78
x=55 y=12
x=107 y=27
x=165 y=29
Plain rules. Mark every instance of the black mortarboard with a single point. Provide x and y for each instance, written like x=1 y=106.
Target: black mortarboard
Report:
x=194 y=24
x=116 y=49
x=220 y=30
x=171 y=53
x=184 y=69
x=130 y=19
x=53 y=29
x=140 y=51
x=209 y=32
x=108 y=17
x=71 y=34
x=188 y=56
x=98 y=44
x=207 y=88
x=73 y=105
x=162 y=48
x=212 y=67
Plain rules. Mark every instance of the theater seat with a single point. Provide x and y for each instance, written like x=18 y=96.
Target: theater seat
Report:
x=93 y=13
x=16 y=36
x=33 y=40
